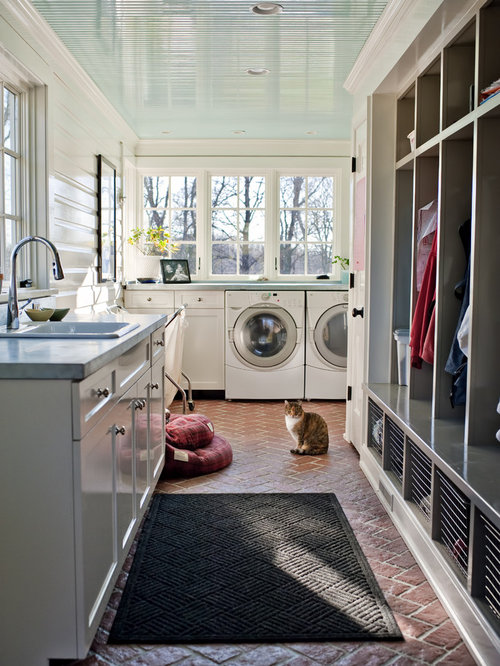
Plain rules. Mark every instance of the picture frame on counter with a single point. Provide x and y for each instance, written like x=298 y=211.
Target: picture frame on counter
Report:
x=175 y=270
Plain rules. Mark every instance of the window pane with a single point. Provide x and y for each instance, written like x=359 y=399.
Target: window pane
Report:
x=292 y=191
x=320 y=192
x=10 y=185
x=187 y=251
x=10 y=120
x=12 y=236
x=252 y=225
x=224 y=225
x=155 y=192
x=291 y=259
x=252 y=191
x=319 y=259
x=319 y=225
x=183 y=225
x=156 y=218
x=224 y=191
x=251 y=258
x=183 y=192
x=292 y=225
x=224 y=259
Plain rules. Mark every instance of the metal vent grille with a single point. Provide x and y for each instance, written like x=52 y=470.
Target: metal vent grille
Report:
x=454 y=517
x=396 y=443
x=420 y=480
x=491 y=566
x=375 y=427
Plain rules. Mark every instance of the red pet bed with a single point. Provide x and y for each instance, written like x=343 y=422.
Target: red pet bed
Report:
x=192 y=447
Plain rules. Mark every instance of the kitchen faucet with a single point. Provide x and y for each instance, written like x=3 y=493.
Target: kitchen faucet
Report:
x=12 y=306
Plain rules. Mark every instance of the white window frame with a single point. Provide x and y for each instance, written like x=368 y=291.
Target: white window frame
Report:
x=272 y=203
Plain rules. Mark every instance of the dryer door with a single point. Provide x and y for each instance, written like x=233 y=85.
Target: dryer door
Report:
x=265 y=337
x=330 y=335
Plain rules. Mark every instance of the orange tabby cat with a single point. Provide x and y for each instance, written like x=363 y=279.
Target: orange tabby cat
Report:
x=308 y=429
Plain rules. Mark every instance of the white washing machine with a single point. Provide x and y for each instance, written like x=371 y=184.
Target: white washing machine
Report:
x=326 y=345
x=265 y=344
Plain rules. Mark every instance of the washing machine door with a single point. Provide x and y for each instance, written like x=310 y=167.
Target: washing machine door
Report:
x=265 y=337
x=330 y=335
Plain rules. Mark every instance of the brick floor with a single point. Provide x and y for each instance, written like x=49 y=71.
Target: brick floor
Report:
x=262 y=463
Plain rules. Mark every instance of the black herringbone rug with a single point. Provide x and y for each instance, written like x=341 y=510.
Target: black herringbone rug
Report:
x=246 y=567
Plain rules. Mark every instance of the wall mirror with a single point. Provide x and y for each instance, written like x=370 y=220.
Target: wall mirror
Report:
x=106 y=219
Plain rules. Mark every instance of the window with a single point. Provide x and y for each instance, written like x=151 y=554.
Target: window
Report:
x=238 y=218
x=10 y=200
x=307 y=216
x=170 y=204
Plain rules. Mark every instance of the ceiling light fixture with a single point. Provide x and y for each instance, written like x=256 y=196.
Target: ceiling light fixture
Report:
x=166 y=131
x=257 y=71
x=239 y=131
x=311 y=132
x=266 y=8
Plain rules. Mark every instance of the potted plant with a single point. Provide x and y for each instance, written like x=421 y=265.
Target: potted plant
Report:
x=343 y=262
x=151 y=243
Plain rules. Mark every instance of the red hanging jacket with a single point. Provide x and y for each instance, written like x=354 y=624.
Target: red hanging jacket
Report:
x=422 y=328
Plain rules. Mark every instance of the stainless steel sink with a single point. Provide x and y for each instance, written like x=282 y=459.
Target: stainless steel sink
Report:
x=71 y=329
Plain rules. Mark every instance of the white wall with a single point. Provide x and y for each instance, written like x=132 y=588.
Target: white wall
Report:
x=80 y=125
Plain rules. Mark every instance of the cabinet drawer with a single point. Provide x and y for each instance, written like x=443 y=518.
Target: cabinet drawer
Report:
x=93 y=397
x=131 y=365
x=152 y=298
x=157 y=344
x=199 y=299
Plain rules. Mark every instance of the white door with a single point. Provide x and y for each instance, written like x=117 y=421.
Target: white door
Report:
x=356 y=318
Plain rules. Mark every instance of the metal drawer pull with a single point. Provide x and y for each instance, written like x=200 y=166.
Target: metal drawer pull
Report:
x=159 y=343
x=120 y=430
x=102 y=393
x=149 y=299
x=199 y=299
x=155 y=386
x=356 y=312
x=140 y=404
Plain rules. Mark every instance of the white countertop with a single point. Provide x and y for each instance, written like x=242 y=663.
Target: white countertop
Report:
x=317 y=285
x=75 y=359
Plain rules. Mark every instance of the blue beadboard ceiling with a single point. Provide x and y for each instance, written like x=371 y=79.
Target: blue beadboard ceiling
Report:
x=178 y=69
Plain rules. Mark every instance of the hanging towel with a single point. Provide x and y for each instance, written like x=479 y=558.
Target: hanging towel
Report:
x=423 y=316
x=426 y=230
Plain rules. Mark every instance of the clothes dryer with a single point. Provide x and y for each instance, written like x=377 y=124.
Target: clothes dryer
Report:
x=326 y=345
x=264 y=344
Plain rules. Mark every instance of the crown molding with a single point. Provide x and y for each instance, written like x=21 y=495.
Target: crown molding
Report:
x=398 y=25
x=38 y=34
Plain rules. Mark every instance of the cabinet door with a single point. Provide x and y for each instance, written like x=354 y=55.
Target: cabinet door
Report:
x=203 y=353
x=98 y=531
x=157 y=422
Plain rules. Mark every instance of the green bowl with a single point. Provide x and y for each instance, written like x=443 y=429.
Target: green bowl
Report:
x=43 y=314
x=59 y=314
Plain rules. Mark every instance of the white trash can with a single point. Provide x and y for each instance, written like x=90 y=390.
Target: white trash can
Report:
x=402 y=337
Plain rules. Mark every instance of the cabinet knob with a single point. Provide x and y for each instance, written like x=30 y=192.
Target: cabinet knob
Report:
x=102 y=393
x=155 y=386
x=159 y=343
x=199 y=299
x=356 y=312
x=149 y=299
x=120 y=430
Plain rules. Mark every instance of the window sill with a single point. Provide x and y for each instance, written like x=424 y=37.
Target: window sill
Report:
x=24 y=294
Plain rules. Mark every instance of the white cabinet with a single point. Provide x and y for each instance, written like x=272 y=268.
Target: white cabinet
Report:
x=203 y=353
x=76 y=477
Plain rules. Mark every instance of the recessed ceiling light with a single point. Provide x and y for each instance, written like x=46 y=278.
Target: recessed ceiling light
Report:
x=239 y=131
x=257 y=71
x=166 y=131
x=266 y=8
x=311 y=132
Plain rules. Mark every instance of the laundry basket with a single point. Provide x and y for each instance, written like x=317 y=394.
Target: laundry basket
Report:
x=174 y=345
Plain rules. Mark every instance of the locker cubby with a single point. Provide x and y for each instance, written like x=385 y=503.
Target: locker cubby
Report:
x=394 y=442
x=375 y=428
x=453 y=523
x=428 y=98
x=405 y=123
x=458 y=76
x=420 y=480
x=489 y=52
